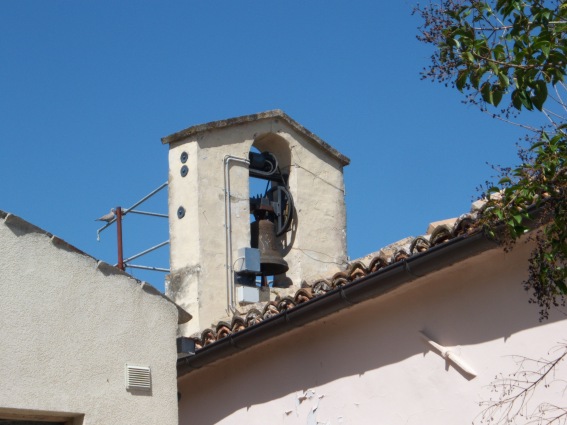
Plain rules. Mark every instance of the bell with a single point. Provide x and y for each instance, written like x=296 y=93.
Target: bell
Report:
x=263 y=237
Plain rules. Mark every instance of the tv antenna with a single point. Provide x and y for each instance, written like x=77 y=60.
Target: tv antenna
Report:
x=119 y=215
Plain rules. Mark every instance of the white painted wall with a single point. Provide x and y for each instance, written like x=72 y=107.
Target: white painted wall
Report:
x=368 y=364
x=67 y=329
x=315 y=247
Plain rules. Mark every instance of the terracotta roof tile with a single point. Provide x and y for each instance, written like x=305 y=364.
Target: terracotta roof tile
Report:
x=442 y=232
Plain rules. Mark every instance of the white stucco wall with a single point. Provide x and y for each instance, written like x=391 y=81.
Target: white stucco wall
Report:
x=368 y=364
x=68 y=328
x=315 y=247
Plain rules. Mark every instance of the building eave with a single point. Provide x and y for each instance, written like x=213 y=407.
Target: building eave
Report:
x=371 y=286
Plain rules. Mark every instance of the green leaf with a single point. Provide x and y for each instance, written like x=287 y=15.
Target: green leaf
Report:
x=452 y=41
x=498 y=52
x=461 y=79
x=504 y=80
x=475 y=78
x=486 y=92
x=540 y=94
x=497 y=96
x=543 y=45
x=526 y=101
x=557 y=76
x=545 y=49
x=516 y=101
x=468 y=57
x=536 y=145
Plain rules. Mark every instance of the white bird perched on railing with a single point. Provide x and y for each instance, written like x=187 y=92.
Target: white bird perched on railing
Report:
x=108 y=217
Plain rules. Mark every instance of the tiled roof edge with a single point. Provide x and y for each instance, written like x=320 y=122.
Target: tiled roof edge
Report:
x=355 y=285
x=407 y=260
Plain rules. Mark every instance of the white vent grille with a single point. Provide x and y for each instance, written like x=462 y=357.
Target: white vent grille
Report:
x=138 y=378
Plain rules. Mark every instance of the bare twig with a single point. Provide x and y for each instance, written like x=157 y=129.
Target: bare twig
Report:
x=517 y=391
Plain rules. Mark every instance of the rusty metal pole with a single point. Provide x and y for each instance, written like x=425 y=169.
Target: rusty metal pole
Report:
x=119 y=237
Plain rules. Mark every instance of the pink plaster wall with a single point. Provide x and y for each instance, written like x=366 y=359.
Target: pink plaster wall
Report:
x=368 y=364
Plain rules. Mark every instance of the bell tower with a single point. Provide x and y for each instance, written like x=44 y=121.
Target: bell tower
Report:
x=230 y=244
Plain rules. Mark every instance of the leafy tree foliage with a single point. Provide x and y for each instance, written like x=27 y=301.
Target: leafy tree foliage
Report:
x=508 y=57
x=497 y=48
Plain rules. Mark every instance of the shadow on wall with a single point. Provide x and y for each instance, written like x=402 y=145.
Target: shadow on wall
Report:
x=474 y=302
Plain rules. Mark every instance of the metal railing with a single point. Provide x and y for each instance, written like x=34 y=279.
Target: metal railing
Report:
x=119 y=216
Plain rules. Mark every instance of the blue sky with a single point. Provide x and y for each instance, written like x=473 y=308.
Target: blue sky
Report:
x=88 y=88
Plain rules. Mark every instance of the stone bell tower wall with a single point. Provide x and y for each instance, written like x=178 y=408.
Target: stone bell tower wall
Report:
x=210 y=213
